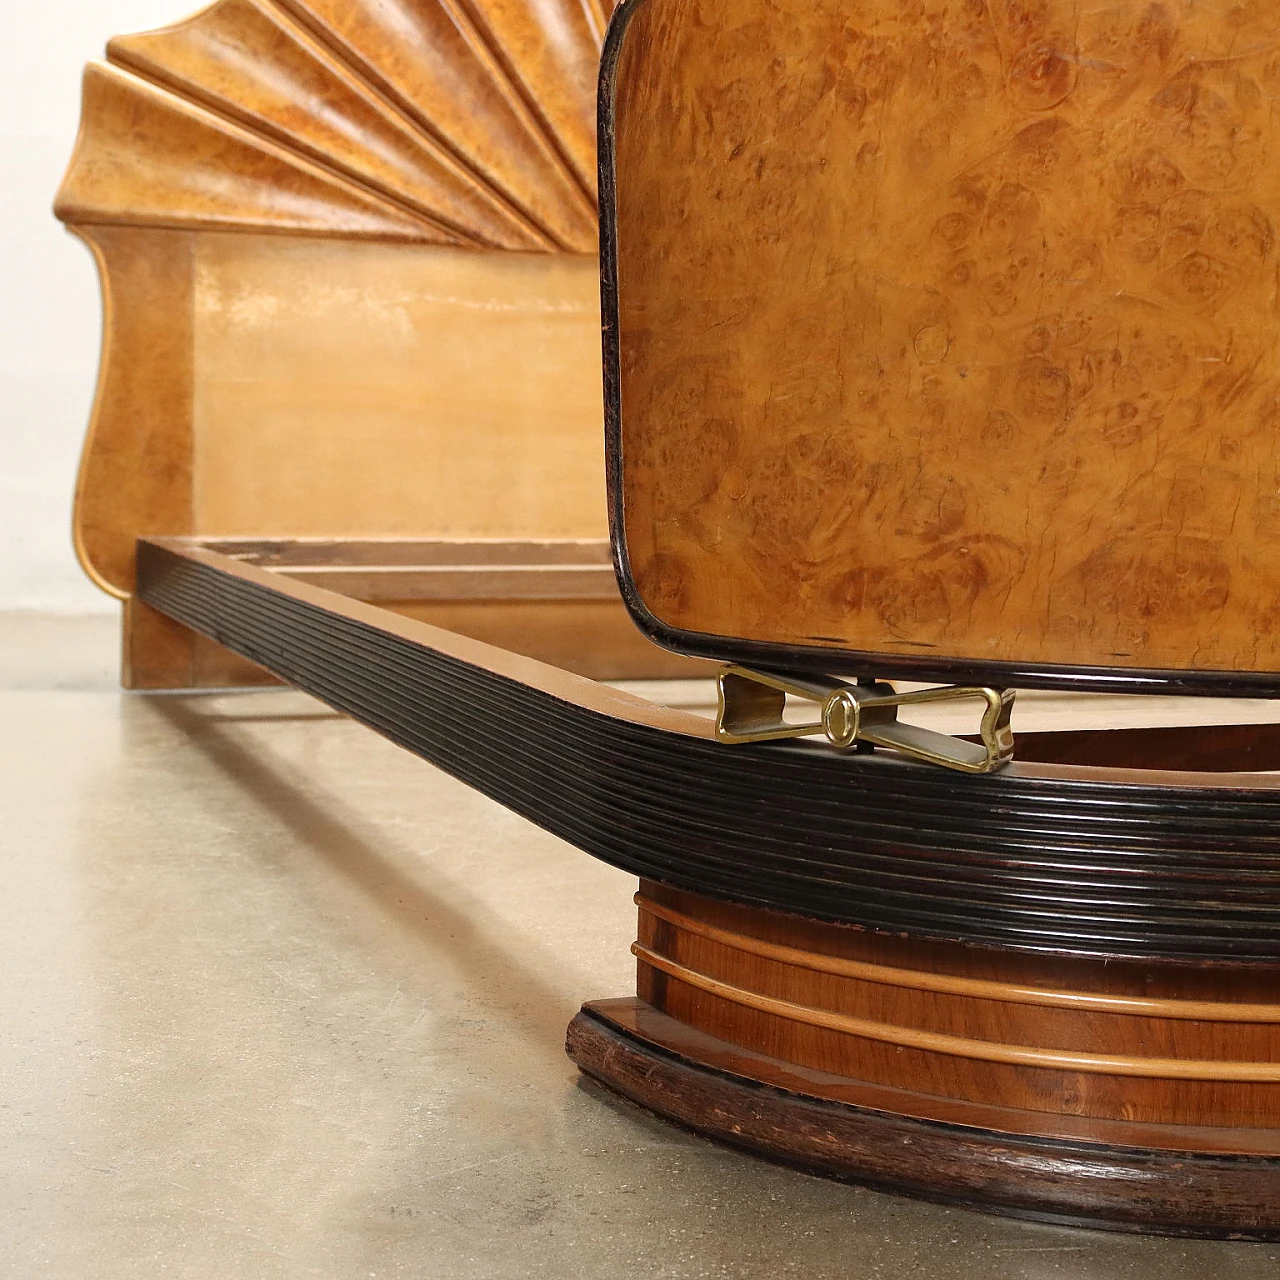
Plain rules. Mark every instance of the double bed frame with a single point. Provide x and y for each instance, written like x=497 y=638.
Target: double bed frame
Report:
x=348 y=435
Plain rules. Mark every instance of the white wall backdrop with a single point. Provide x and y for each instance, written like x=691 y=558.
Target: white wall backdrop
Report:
x=49 y=302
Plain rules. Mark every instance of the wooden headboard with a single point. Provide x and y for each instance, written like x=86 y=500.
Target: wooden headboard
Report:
x=348 y=259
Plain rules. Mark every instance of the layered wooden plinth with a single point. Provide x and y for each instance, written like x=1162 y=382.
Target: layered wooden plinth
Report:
x=1133 y=1095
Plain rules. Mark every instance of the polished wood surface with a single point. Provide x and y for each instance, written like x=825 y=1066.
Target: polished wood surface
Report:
x=347 y=389
x=968 y=1047
x=440 y=122
x=1069 y=972
x=350 y=291
x=135 y=467
x=949 y=333
x=1077 y=860
x=1121 y=1042
x=389 y=570
x=1116 y=1175
x=840 y=960
x=417 y=392
x=1141 y=1096
x=159 y=654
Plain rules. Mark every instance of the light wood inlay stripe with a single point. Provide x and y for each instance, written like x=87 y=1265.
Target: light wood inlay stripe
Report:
x=950 y=984
x=959 y=1046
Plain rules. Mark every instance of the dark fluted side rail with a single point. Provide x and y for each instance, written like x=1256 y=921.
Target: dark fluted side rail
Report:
x=1066 y=859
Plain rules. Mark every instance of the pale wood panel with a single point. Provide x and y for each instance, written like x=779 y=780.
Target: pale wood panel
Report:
x=593 y=638
x=347 y=389
x=535 y=555
x=378 y=583
x=267 y=370
x=952 y=331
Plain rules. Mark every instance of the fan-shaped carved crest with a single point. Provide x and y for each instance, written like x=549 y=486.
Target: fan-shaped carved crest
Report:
x=456 y=122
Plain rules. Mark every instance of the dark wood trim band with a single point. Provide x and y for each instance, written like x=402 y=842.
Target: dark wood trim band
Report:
x=1127 y=1188
x=1095 y=862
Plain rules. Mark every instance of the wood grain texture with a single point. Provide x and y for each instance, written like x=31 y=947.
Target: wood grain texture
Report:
x=432 y=61
x=135 y=467
x=1201 y=1065
x=555 y=602
x=593 y=638
x=256 y=386
x=438 y=122
x=1128 y=1177
x=160 y=654
x=840 y=956
x=374 y=390
x=969 y=1048
x=252 y=63
x=297 y=211
x=949 y=332
x=640 y=786
x=147 y=158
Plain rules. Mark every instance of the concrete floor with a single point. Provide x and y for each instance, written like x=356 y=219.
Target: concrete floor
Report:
x=281 y=1001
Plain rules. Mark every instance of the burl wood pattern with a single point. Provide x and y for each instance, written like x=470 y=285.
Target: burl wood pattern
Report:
x=135 y=468
x=952 y=328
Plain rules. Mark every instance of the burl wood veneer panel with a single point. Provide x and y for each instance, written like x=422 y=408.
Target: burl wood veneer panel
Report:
x=349 y=389
x=952 y=329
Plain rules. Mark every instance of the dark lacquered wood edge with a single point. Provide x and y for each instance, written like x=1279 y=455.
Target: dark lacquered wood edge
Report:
x=1127 y=1188
x=1058 y=859
x=831 y=660
x=1229 y=747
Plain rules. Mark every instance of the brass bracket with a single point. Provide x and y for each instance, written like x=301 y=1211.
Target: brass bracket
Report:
x=752 y=705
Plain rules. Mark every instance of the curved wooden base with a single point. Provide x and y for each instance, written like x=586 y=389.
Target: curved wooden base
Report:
x=1139 y=1097
x=788 y=1114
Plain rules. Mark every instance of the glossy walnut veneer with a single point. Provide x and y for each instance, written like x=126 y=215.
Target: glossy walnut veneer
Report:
x=1056 y=1036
